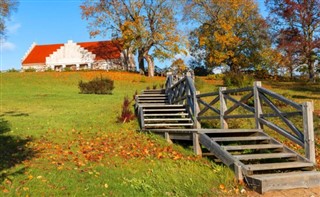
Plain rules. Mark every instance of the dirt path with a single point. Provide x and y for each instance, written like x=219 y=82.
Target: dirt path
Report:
x=311 y=192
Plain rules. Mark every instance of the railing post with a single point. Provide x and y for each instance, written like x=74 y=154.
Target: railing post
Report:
x=308 y=130
x=223 y=108
x=169 y=83
x=257 y=104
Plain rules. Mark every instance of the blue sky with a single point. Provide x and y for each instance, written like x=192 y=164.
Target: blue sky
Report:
x=46 y=22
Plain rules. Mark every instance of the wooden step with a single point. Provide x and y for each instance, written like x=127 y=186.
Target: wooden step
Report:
x=235 y=139
x=152 y=101
x=165 y=110
x=166 y=119
x=168 y=124
x=152 y=95
x=167 y=106
x=219 y=131
x=279 y=181
x=151 y=98
x=162 y=115
x=278 y=166
x=264 y=156
x=252 y=147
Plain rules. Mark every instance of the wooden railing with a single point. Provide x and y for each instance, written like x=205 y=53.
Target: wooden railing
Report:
x=255 y=102
x=259 y=103
x=183 y=92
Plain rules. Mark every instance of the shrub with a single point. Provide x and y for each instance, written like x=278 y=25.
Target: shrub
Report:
x=49 y=70
x=154 y=86
x=30 y=70
x=97 y=86
x=126 y=113
x=12 y=70
x=237 y=80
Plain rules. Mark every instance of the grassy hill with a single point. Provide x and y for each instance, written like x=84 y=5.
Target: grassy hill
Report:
x=57 y=142
x=60 y=142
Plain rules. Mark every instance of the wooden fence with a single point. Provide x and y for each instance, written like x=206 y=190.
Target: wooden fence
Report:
x=257 y=103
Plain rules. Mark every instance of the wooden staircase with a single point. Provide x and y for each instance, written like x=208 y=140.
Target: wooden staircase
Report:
x=265 y=163
x=157 y=113
x=258 y=159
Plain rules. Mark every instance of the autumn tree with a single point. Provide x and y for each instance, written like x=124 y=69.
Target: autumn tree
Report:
x=178 y=66
x=6 y=8
x=231 y=33
x=296 y=27
x=148 y=26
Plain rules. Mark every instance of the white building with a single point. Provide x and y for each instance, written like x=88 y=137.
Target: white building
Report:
x=100 y=55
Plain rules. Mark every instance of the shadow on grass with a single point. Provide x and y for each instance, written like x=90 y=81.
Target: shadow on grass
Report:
x=13 y=151
x=14 y=113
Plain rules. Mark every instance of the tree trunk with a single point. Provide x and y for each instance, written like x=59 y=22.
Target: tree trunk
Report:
x=141 y=62
x=129 y=62
x=150 y=62
x=311 y=71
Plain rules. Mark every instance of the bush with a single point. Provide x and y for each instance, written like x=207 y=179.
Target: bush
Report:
x=12 y=70
x=237 y=80
x=97 y=86
x=30 y=70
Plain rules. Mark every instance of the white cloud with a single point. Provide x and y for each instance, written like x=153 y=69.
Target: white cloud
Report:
x=13 y=29
x=6 y=45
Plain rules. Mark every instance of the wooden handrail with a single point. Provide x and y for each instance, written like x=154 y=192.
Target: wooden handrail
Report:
x=261 y=99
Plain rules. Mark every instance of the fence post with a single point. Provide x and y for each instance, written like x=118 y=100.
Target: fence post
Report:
x=308 y=130
x=169 y=83
x=257 y=104
x=223 y=108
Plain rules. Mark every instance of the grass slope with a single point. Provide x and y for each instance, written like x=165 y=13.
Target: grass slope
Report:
x=57 y=142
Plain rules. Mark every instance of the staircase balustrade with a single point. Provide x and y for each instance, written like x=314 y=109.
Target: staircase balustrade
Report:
x=256 y=102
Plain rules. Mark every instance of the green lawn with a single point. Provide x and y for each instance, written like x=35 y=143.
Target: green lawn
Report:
x=62 y=143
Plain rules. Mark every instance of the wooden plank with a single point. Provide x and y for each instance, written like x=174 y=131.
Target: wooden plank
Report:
x=168 y=124
x=285 y=120
x=152 y=101
x=208 y=106
x=278 y=166
x=308 y=130
x=196 y=144
x=218 y=131
x=236 y=105
x=231 y=91
x=164 y=106
x=285 y=114
x=166 y=119
x=208 y=94
x=281 y=98
x=234 y=139
x=216 y=149
x=160 y=115
x=164 y=110
x=251 y=109
x=252 y=147
x=172 y=131
x=281 y=181
x=223 y=108
x=281 y=131
x=264 y=156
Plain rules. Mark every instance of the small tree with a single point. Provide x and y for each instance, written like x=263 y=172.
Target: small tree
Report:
x=126 y=113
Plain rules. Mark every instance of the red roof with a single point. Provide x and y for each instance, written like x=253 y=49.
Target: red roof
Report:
x=39 y=53
x=102 y=49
